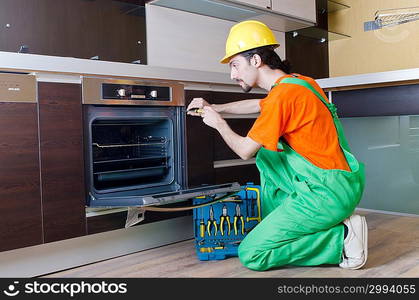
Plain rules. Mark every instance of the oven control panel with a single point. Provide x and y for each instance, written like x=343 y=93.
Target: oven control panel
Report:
x=132 y=92
x=135 y=92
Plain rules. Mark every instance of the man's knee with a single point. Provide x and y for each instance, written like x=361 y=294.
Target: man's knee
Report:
x=251 y=257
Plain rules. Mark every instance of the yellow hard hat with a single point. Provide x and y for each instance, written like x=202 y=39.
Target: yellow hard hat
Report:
x=248 y=35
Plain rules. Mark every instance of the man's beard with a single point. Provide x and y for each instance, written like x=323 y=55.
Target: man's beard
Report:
x=246 y=88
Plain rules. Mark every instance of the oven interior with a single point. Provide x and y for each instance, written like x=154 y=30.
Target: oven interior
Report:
x=132 y=153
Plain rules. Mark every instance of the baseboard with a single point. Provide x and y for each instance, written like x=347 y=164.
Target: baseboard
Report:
x=387 y=212
x=52 y=257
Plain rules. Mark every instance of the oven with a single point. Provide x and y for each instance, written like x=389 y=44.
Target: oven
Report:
x=135 y=147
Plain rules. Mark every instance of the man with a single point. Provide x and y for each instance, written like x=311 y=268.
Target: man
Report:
x=310 y=181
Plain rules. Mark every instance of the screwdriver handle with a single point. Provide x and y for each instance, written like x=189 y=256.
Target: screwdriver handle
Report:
x=202 y=228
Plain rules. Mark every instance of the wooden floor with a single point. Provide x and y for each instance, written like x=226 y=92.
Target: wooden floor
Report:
x=393 y=252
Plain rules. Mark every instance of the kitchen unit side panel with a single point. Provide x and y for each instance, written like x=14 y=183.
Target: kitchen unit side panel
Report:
x=20 y=201
x=62 y=166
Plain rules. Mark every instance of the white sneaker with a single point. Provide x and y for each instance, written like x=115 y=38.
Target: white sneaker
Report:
x=355 y=245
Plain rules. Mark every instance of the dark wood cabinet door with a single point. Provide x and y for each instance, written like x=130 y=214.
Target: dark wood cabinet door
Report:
x=20 y=198
x=62 y=165
x=199 y=145
x=113 y=30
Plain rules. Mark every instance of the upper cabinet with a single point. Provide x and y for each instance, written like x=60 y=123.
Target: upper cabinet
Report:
x=279 y=15
x=110 y=30
x=302 y=9
x=258 y=3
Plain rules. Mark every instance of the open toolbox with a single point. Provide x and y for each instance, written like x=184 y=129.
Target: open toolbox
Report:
x=221 y=226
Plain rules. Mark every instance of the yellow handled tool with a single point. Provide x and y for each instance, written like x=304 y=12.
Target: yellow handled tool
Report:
x=202 y=224
x=258 y=218
x=238 y=218
x=211 y=223
x=210 y=249
x=225 y=218
x=196 y=110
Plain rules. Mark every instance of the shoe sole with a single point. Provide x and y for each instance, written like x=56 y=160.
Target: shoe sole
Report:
x=365 y=242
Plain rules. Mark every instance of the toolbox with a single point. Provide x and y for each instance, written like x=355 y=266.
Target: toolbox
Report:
x=219 y=227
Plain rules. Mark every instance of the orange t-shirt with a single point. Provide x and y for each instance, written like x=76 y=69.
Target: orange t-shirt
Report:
x=295 y=113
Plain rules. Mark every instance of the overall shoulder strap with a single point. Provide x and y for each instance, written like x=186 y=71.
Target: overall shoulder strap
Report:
x=330 y=106
x=304 y=83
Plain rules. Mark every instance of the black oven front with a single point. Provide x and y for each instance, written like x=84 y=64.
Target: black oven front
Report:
x=132 y=151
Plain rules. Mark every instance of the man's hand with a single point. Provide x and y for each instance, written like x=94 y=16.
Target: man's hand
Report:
x=211 y=117
x=196 y=103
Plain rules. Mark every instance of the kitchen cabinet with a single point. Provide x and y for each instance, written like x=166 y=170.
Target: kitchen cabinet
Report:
x=20 y=195
x=321 y=32
x=210 y=160
x=110 y=30
x=42 y=196
x=61 y=159
x=260 y=3
x=302 y=9
x=286 y=15
x=309 y=53
x=199 y=47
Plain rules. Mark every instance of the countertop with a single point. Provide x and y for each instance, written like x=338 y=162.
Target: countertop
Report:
x=51 y=67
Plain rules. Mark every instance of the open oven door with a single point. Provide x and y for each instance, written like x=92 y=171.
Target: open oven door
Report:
x=163 y=198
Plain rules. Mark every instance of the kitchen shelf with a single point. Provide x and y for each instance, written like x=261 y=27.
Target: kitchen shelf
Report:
x=333 y=6
x=319 y=34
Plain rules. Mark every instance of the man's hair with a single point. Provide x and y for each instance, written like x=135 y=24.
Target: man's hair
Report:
x=269 y=57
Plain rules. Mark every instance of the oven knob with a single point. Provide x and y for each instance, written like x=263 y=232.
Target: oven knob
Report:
x=121 y=92
x=153 y=94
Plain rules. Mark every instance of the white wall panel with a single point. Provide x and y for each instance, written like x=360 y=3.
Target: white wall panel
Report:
x=184 y=40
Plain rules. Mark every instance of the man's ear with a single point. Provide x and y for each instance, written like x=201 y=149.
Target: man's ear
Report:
x=256 y=61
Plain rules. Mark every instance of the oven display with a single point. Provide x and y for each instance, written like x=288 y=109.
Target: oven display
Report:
x=135 y=92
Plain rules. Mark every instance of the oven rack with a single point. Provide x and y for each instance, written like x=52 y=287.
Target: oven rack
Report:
x=103 y=161
x=128 y=145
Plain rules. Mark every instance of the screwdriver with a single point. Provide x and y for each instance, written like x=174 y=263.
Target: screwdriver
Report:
x=202 y=224
x=196 y=110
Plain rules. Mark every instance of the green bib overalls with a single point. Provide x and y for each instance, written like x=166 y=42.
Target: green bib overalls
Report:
x=302 y=205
